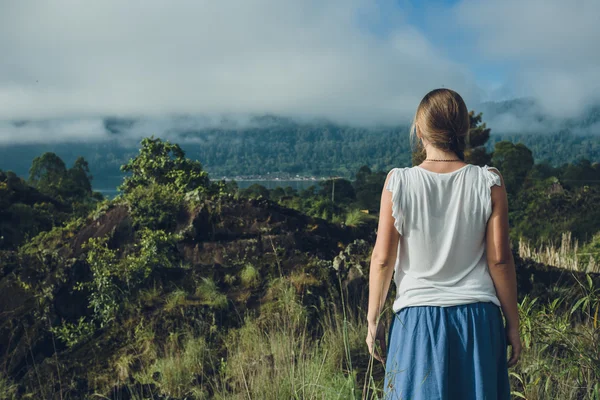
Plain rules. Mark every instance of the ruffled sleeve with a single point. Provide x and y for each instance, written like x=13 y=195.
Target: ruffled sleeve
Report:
x=491 y=179
x=393 y=185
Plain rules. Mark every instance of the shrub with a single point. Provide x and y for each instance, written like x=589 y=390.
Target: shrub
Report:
x=177 y=370
x=209 y=294
x=250 y=276
x=154 y=206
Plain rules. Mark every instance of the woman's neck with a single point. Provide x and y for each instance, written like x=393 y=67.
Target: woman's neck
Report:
x=438 y=154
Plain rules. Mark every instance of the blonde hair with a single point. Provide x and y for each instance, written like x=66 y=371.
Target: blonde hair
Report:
x=443 y=119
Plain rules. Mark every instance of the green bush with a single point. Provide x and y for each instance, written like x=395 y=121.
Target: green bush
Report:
x=154 y=206
x=209 y=294
x=115 y=279
x=250 y=276
x=163 y=163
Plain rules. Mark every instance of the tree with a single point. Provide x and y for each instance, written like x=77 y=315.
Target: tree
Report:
x=368 y=186
x=361 y=176
x=256 y=190
x=342 y=189
x=79 y=179
x=479 y=134
x=514 y=162
x=277 y=193
x=541 y=171
x=48 y=174
x=164 y=163
x=580 y=173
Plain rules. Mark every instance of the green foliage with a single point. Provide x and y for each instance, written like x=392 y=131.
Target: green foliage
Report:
x=580 y=173
x=24 y=212
x=541 y=211
x=209 y=294
x=592 y=248
x=340 y=190
x=72 y=334
x=8 y=390
x=356 y=218
x=255 y=191
x=290 y=148
x=52 y=238
x=55 y=196
x=155 y=206
x=155 y=249
x=105 y=293
x=250 y=276
x=479 y=135
x=180 y=366
x=368 y=186
x=163 y=163
x=554 y=148
x=114 y=279
x=49 y=174
x=324 y=208
x=561 y=351
x=514 y=162
x=294 y=362
x=80 y=176
x=176 y=299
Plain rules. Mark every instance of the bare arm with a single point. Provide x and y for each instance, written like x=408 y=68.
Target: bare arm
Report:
x=383 y=257
x=502 y=266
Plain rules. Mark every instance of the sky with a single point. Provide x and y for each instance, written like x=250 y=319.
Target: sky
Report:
x=68 y=63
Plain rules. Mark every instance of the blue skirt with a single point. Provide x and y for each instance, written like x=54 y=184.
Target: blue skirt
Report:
x=447 y=353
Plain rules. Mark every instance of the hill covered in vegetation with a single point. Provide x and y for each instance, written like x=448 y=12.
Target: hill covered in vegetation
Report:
x=188 y=288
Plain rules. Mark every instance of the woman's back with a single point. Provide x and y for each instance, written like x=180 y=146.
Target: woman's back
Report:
x=441 y=218
x=443 y=236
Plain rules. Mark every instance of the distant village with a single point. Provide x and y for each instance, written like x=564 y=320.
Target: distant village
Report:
x=274 y=177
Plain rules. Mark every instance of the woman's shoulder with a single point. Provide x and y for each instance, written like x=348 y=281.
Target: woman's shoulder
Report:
x=492 y=175
x=398 y=169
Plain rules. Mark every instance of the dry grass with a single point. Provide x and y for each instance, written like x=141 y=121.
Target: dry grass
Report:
x=566 y=256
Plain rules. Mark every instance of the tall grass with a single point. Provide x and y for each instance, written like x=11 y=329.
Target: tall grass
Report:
x=566 y=255
x=561 y=356
x=356 y=218
x=285 y=350
x=275 y=356
x=8 y=390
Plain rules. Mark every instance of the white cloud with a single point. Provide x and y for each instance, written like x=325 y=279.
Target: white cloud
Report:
x=157 y=57
x=68 y=63
x=52 y=131
x=552 y=45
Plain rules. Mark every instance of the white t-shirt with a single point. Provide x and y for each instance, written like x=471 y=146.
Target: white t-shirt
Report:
x=442 y=218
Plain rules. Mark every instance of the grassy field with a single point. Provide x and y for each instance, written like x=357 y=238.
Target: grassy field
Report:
x=282 y=350
x=276 y=355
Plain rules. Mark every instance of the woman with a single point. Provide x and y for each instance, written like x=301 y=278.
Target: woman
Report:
x=443 y=234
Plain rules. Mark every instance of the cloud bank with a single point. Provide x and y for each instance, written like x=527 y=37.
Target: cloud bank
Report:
x=552 y=46
x=67 y=64
x=308 y=58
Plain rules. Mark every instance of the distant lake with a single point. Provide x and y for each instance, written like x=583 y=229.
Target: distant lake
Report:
x=242 y=184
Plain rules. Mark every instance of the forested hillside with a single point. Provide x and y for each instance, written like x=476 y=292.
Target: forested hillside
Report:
x=284 y=147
